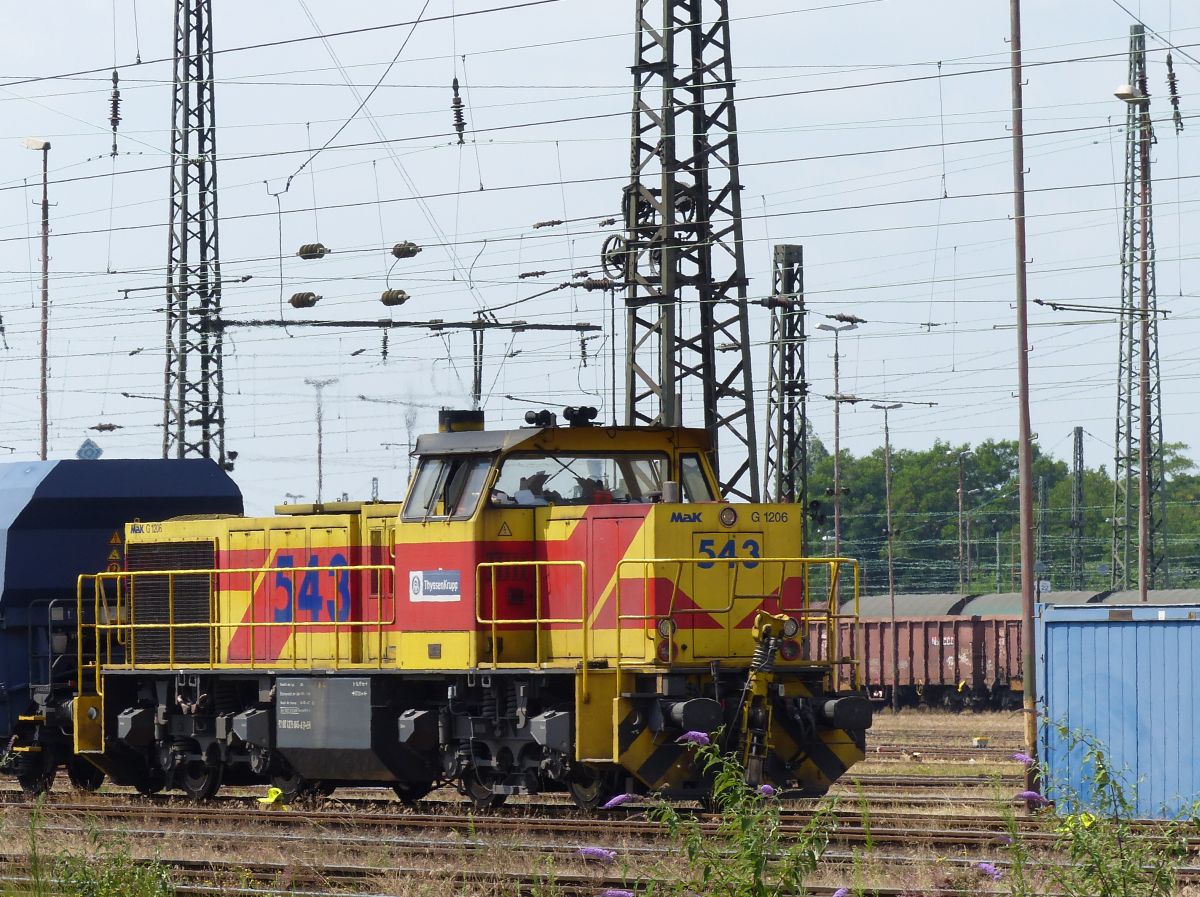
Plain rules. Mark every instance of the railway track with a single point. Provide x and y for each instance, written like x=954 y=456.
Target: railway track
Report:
x=339 y=826
x=206 y=876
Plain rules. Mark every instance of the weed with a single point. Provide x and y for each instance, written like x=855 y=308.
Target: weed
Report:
x=1104 y=851
x=746 y=856
x=108 y=869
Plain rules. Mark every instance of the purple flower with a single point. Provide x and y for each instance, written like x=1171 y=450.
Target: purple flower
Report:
x=1022 y=757
x=842 y=892
x=990 y=871
x=614 y=802
x=599 y=854
x=1032 y=797
x=697 y=738
x=1004 y=839
x=616 y=892
x=766 y=790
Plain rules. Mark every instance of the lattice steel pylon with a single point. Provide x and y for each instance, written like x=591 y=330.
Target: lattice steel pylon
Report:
x=1077 y=505
x=193 y=393
x=681 y=257
x=1138 y=293
x=786 y=457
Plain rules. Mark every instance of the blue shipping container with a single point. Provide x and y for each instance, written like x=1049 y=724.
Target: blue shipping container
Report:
x=1130 y=678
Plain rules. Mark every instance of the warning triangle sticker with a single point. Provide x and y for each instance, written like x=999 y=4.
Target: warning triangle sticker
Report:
x=115 y=539
x=504 y=530
x=114 y=555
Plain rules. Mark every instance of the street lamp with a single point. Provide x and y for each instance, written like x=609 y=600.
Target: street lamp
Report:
x=851 y=323
x=43 y=146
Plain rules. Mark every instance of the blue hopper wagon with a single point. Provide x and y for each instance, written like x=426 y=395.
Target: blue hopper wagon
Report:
x=59 y=519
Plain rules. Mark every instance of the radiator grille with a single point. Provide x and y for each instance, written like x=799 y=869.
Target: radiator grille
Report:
x=151 y=596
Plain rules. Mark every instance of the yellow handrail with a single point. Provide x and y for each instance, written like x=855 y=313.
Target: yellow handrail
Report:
x=125 y=583
x=807 y=613
x=537 y=621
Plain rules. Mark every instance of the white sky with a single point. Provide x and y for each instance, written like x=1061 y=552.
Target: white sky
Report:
x=879 y=240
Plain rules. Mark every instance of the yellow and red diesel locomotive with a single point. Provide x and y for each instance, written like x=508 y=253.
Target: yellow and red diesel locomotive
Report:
x=552 y=608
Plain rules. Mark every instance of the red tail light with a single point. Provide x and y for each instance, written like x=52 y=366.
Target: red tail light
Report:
x=666 y=650
x=789 y=650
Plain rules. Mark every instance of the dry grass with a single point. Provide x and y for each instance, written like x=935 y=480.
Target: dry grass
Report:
x=942 y=723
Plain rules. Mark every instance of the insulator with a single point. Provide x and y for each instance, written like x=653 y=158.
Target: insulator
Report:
x=405 y=250
x=553 y=222
x=393 y=297
x=313 y=251
x=304 y=300
x=456 y=106
x=608 y=222
x=1173 y=90
x=114 y=116
x=524 y=275
x=595 y=283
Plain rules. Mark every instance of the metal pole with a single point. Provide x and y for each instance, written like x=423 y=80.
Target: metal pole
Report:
x=967 y=554
x=997 y=560
x=1024 y=447
x=837 y=452
x=319 y=386
x=961 y=582
x=887 y=491
x=1144 y=363
x=45 y=298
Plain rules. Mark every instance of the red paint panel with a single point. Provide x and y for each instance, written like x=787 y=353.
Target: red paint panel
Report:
x=283 y=596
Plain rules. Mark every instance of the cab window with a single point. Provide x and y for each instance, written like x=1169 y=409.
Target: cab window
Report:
x=447 y=487
x=620 y=477
x=692 y=482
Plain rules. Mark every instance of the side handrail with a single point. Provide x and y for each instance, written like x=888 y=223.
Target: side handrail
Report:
x=807 y=613
x=537 y=621
x=125 y=582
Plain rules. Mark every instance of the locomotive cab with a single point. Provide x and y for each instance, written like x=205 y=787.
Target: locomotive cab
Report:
x=504 y=537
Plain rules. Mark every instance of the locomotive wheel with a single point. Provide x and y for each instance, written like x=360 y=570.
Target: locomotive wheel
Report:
x=294 y=786
x=150 y=783
x=411 y=792
x=38 y=778
x=592 y=790
x=480 y=793
x=83 y=775
x=199 y=779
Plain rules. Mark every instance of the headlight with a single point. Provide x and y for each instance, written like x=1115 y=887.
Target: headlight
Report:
x=791 y=627
x=728 y=516
x=666 y=627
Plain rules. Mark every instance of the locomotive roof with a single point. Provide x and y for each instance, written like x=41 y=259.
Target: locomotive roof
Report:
x=551 y=439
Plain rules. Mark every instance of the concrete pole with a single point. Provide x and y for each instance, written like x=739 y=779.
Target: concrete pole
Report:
x=1025 y=430
x=45 y=352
